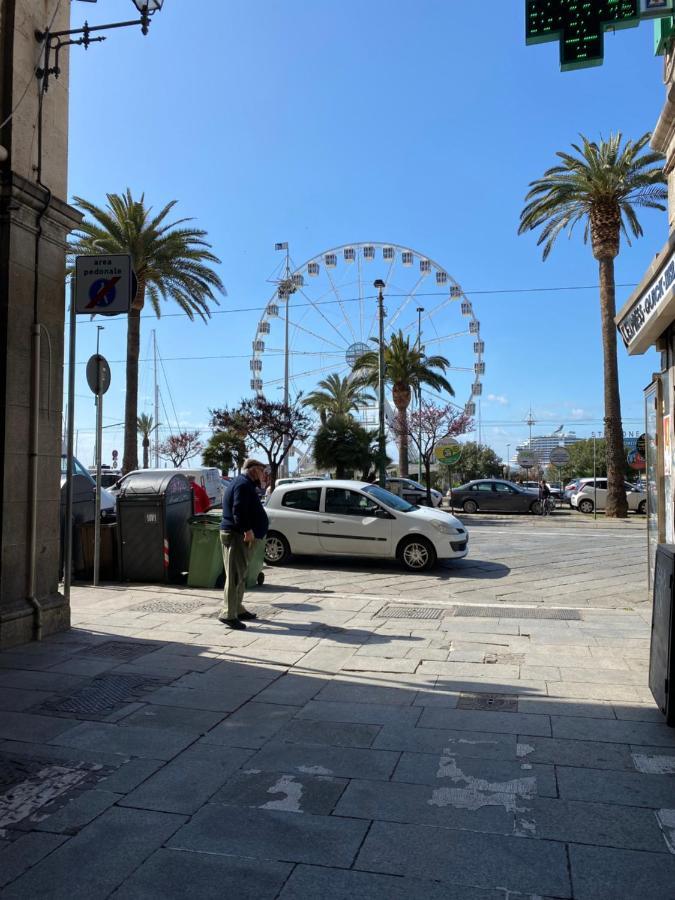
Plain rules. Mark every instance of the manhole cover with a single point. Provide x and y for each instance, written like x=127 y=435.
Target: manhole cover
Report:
x=408 y=612
x=170 y=606
x=125 y=650
x=511 y=612
x=492 y=702
x=102 y=696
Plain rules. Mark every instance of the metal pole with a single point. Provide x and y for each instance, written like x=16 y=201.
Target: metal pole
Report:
x=595 y=484
x=287 y=291
x=99 y=454
x=68 y=524
x=156 y=422
x=508 y=459
x=381 y=435
x=420 y=310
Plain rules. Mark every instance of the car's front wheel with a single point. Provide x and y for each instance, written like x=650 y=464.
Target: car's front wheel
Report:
x=535 y=508
x=642 y=507
x=585 y=506
x=417 y=554
x=277 y=550
x=470 y=506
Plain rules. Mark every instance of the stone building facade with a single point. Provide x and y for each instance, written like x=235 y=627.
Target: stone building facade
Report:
x=35 y=221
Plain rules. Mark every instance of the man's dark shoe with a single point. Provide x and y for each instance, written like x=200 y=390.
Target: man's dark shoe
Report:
x=232 y=623
x=247 y=616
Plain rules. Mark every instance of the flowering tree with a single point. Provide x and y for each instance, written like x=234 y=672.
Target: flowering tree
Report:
x=270 y=426
x=426 y=426
x=180 y=447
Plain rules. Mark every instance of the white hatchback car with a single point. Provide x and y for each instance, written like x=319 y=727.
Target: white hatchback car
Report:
x=352 y=518
x=585 y=498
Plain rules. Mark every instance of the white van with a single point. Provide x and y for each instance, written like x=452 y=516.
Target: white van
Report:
x=209 y=478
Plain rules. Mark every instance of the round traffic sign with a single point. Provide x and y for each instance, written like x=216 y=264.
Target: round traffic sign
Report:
x=98 y=374
x=559 y=456
x=448 y=451
x=526 y=459
x=636 y=461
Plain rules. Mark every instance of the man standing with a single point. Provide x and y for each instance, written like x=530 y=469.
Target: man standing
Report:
x=244 y=521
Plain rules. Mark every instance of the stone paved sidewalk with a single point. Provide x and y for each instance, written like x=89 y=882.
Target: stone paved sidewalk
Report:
x=347 y=744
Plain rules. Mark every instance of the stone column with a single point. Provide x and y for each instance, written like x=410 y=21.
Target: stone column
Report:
x=34 y=224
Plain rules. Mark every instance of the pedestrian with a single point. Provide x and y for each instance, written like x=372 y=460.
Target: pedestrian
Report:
x=244 y=521
x=202 y=501
x=544 y=494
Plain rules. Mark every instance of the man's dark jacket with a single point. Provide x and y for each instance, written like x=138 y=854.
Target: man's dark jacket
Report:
x=242 y=509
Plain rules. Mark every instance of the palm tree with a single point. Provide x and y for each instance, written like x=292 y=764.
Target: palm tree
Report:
x=405 y=368
x=338 y=397
x=171 y=262
x=145 y=426
x=600 y=186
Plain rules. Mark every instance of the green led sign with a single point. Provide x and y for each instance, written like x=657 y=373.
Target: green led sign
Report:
x=579 y=25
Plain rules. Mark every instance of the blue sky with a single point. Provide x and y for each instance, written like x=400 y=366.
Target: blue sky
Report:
x=328 y=122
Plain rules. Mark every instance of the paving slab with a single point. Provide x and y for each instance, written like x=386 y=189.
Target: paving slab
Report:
x=582 y=754
x=272 y=834
x=600 y=873
x=483 y=744
x=31 y=727
x=108 y=851
x=600 y=824
x=305 y=731
x=623 y=788
x=365 y=713
x=475 y=775
x=152 y=743
x=200 y=876
x=251 y=726
x=186 y=783
x=312 y=759
x=477 y=720
x=314 y=794
x=336 y=884
x=21 y=855
x=75 y=814
x=292 y=690
x=151 y=715
x=614 y=732
x=466 y=858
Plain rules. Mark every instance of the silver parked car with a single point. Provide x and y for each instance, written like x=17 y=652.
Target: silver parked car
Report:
x=495 y=495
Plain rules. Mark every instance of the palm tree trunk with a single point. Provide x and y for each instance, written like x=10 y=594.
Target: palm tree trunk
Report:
x=130 y=458
x=146 y=448
x=402 y=429
x=616 y=504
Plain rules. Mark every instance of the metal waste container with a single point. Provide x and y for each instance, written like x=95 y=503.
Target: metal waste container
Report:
x=206 y=553
x=153 y=513
x=661 y=655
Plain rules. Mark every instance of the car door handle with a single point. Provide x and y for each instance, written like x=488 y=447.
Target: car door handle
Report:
x=328 y=522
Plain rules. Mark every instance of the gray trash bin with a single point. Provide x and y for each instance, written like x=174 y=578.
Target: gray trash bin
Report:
x=153 y=513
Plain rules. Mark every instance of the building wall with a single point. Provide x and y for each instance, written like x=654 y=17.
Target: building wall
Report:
x=34 y=224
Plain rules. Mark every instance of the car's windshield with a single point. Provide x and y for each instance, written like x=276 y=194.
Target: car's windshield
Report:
x=389 y=499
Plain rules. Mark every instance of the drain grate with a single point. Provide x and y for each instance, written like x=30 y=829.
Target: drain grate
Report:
x=511 y=612
x=170 y=606
x=490 y=702
x=125 y=650
x=408 y=612
x=102 y=696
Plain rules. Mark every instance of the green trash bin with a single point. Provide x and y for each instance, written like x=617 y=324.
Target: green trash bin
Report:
x=206 y=555
x=254 y=573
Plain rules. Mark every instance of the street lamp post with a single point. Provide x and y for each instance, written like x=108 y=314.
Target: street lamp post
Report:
x=508 y=461
x=420 y=310
x=53 y=41
x=382 y=443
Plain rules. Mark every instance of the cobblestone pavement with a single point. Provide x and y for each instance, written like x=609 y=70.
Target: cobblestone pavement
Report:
x=484 y=732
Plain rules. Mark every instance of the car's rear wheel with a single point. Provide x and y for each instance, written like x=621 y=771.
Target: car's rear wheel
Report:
x=535 y=508
x=642 y=507
x=417 y=554
x=470 y=506
x=585 y=506
x=277 y=550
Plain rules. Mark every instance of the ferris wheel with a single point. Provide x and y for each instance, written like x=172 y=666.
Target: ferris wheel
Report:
x=323 y=315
